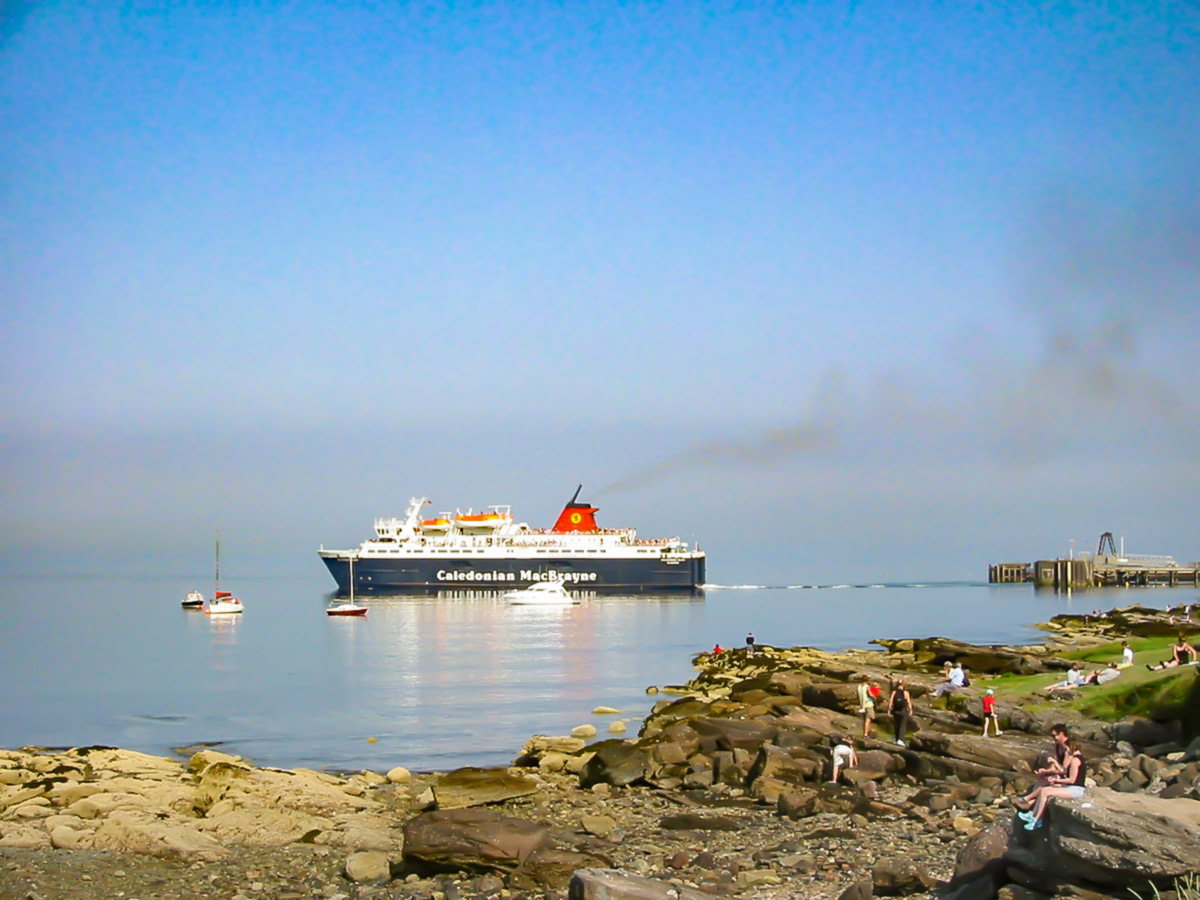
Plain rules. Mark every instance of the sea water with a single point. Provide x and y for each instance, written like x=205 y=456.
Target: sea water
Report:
x=427 y=683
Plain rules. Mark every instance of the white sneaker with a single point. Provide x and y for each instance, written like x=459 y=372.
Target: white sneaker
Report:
x=901 y=743
x=998 y=733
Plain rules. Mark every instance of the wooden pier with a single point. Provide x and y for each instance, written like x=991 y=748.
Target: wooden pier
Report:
x=1104 y=568
x=1010 y=573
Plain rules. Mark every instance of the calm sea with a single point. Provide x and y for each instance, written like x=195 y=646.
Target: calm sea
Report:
x=420 y=682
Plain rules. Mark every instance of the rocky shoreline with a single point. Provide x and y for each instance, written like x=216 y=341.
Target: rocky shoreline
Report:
x=723 y=792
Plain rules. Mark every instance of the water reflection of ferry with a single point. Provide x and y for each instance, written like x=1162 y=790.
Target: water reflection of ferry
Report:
x=490 y=550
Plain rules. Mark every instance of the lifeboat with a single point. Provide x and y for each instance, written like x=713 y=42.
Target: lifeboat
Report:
x=440 y=525
x=488 y=521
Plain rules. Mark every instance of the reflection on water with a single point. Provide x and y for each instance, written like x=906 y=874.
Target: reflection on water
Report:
x=458 y=678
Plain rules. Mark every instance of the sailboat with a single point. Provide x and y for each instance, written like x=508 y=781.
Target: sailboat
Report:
x=348 y=607
x=223 y=603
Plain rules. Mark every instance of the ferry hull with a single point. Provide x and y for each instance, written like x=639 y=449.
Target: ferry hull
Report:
x=414 y=575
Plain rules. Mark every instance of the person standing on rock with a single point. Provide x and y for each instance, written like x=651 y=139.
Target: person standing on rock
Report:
x=989 y=713
x=843 y=757
x=900 y=709
x=750 y=642
x=866 y=704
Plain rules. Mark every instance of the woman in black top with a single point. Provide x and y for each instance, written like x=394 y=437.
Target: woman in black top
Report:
x=1070 y=785
x=900 y=709
x=1180 y=652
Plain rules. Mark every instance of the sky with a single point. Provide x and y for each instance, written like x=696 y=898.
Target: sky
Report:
x=843 y=291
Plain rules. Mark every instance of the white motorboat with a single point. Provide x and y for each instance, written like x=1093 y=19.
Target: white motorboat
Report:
x=194 y=600
x=543 y=593
x=347 y=607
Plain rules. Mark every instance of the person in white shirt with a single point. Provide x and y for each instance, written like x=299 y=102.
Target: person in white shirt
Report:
x=843 y=757
x=1074 y=679
x=1126 y=655
x=956 y=678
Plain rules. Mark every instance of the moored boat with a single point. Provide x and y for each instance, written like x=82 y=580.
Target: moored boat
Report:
x=347 y=607
x=193 y=600
x=223 y=604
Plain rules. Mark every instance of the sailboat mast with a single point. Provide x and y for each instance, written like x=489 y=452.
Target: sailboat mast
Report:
x=217 y=573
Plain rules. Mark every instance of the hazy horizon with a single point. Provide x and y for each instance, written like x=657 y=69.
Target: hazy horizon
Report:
x=844 y=292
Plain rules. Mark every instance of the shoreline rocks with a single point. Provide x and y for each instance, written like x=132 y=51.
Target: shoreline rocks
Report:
x=724 y=791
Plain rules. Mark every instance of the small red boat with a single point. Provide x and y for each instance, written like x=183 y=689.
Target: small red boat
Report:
x=347 y=607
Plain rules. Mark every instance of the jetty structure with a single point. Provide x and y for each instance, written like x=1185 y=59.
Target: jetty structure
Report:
x=1107 y=567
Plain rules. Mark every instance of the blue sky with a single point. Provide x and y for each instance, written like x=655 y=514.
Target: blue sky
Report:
x=843 y=290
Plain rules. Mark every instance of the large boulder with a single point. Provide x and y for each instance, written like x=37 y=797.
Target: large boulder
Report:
x=132 y=830
x=899 y=875
x=1010 y=755
x=983 y=856
x=732 y=734
x=551 y=869
x=612 y=884
x=475 y=839
x=615 y=762
x=1121 y=840
x=471 y=786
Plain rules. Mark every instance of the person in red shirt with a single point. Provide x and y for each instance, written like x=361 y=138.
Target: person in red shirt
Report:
x=989 y=713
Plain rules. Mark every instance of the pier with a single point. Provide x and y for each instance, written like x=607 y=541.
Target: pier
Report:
x=1107 y=567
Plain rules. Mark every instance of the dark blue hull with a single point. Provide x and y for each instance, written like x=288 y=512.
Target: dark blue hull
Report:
x=416 y=575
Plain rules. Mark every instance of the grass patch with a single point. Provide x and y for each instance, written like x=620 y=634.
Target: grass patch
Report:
x=1158 y=697
x=1149 y=649
x=1136 y=692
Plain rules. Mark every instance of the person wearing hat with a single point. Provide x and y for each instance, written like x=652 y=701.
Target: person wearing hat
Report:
x=989 y=713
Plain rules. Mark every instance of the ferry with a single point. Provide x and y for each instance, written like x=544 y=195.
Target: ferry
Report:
x=490 y=550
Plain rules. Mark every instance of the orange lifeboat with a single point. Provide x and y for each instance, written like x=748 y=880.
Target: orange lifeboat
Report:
x=487 y=521
x=440 y=525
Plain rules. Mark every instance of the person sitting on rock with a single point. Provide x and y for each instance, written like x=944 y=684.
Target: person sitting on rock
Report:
x=1179 y=650
x=944 y=685
x=1054 y=765
x=843 y=756
x=1070 y=784
x=956 y=679
x=1073 y=680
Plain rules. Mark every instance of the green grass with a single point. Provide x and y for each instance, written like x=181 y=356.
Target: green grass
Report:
x=1137 y=692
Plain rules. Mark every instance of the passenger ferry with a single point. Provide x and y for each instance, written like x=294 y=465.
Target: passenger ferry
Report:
x=491 y=551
